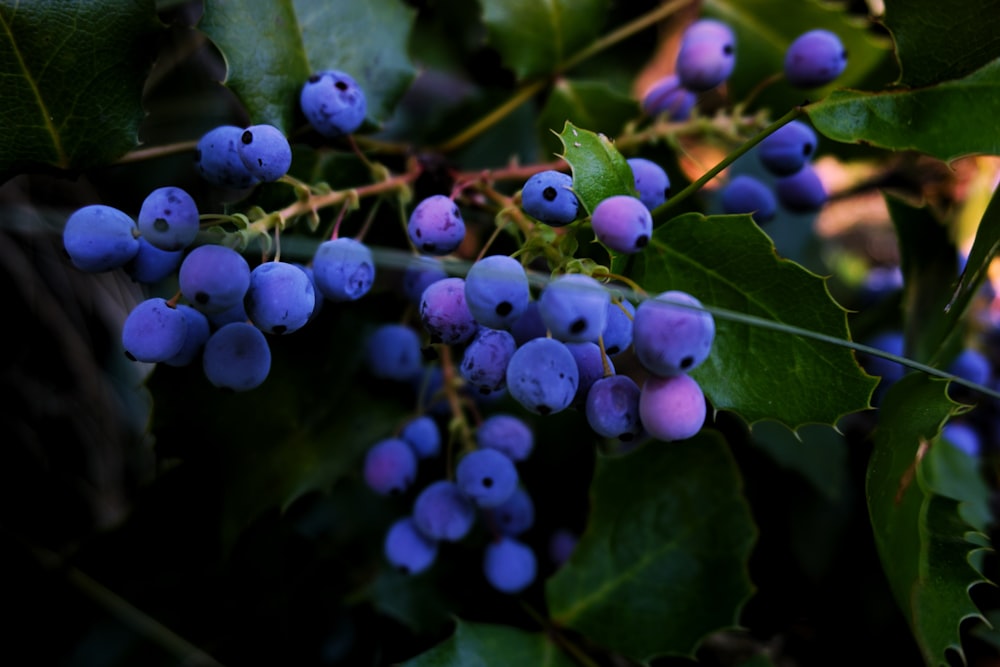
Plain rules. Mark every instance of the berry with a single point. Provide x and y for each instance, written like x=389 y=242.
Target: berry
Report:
x=420 y=272
x=486 y=476
x=151 y=265
x=153 y=331
x=407 y=549
x=442 y=512
x=748 y=194
x=485 y=359
x=333 y=103
x=513 y=516
x=100 y=238
x=590 y=365
x=217 y=158
x=390 y=466
x=392 y=352
x=972 y=365
x=214 y=278
x=436 y=226
x=574 y=307
x=197 y=331
x=617 y=334
x=707 y=55
x=265 y=152
x=671 y=408
x=670 y=338
x=236 y=357
x=529 y=325
x=542 y=376
x=548 y=197
x=787 y=149
x=890 y=371
x=623 y=223
x=344 y=269
x=613 y=408
x=509 y=565
x=562 y=543
x=280 y=298
x=423 y=435
x=651 y=181
x=814 y=58
x=445 y=314
x=962 y=436
x=496 y=290
x=668 y=96
x=168 y=218
x=801 y=192
x=507 y=434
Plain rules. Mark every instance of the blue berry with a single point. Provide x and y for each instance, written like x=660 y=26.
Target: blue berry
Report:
x=407 y=549
x=442 y=512
x=668 y=96
x=651 y=181
x=886 y=341
x=423 y=435
x=574 y=307
x=420 y=272
x=548 y=197
x=153 y=331
x=617 y=334
x=151 y=265
x=280 y=298
x=513 y=516
x=671 y=408
x=444 y=313
x=265 y=152
x=529 y=325
x=670 y=338
x=218 y=161
x=748 y=194
x=485 y=359
x=486 y=476
x=972 y=365
x=318 y=297
x=542 y=376
x=562 y=544
x=706 y=56
x=390 y=466
x=197 y=330
x=168 y=218
x=333 y=103
x=236 y=357
x=508 y=434
x=214 y=278
x=436 y=226
x=235 y=313
x=623 y=223
x=509 y=565
x=496 y=289
x=814 y=58
x=99 y=238
x=963 y=436
x=344 y=269
x=590 y=365
x=801 y=192
x=612 y=408
x=392 y=352
x=787 y=149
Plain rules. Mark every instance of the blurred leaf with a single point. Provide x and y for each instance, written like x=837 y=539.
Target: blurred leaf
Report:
x=485 y=645
x=728 y=262
x=937 y=41
x=984 y=249
x=593 y=104
x=817 y=452
x=599 y=170
x=919 y=534
x=952 y=473
x=537 y=37
x=271 y=48
x=947 y=120
x=71 y=81
x=663 y=560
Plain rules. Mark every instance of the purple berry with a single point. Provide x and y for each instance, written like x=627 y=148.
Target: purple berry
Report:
x=651 y=181
x=496 y=289
x=617 y=334
x=748 y=194
x=814 y=58
x=436 y=226
x=787 y=149
x=574 y=306
x=542 y=376
x=214 y=278
x=548 y=197
x=623 y=223
x=801 y=192
x=671 y=408
x=707 y=55
x=668 y=96
x=507 y=434
x=333 y=103
x=485 y=359
x=514 y=515
x=590 y=365
x=442 y=512
x=612 y=408
x=670 y=338
x=445 y=314
x=390 y=466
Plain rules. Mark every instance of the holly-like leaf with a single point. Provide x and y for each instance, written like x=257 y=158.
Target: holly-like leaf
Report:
x=486 y=645
x=599 y=170
x=939 y=41
x=271 y=48
x=663 y=560
x=758 y=372
x=537 y=37
x=593 y=104
x=947 y=120
x=984 y=249
x=920 y=535
x=71 y=81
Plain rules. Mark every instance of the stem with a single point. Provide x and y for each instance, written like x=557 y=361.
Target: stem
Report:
x=552 y=631
x=522 y=94
x=158 y=151
x=660 y=211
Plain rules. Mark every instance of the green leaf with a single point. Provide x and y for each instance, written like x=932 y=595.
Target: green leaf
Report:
x=485 y=645
x=984 y=249
x=948 y=120
x=593 y=104
x=938 y=41
x=599 y=170
x=71 y=81
x=817 y=452
x=920 y=535
x=535 y=37
x=728 y=262
x=271 y=48
x=663 y=560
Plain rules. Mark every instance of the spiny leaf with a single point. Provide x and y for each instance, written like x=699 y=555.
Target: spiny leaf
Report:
x=759 y=373
x=485 y=645
x=663 y=560
x=599 y=170
x=593 y=104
